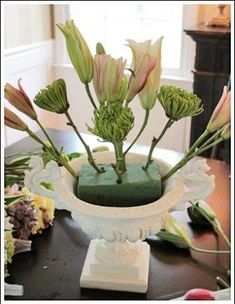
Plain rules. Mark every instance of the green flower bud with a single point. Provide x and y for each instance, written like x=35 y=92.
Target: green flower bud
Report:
x=175 y=232
x=226 y=132
x=176 y=240
x=78 y=51
x=113 y=122
x=178 y=103
x=53 y=98
x=197 y=217
x=100 y=49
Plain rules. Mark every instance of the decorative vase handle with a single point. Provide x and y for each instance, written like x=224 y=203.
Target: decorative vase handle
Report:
x=50 y=174
x=198 y=185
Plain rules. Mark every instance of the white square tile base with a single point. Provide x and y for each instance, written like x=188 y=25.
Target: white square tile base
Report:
x=132 y=278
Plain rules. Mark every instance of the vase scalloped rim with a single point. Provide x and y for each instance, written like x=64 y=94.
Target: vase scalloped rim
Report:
x=163 y=204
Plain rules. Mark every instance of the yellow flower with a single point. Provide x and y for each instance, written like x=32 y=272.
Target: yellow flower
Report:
x=45 y=208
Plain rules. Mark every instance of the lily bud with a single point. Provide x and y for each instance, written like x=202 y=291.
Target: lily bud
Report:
x=109 y=82
x=143 y=65
x=148 y=95
x=100 y=49
x=226 y=132
x=11 y=120
x=178 y=103
x=221 y=115
x=197 y=217
x=53 y=98
x=113 y=122
x=175 y=233
x=78 y=51
x=19 y=99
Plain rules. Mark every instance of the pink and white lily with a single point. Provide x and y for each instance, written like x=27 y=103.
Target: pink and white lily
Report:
x=147 y=78
x=19 y=99
x=222 y=113
x=109 y=80
x=11 y=120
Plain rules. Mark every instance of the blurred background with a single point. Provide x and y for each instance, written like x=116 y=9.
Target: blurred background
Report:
x=34 y=50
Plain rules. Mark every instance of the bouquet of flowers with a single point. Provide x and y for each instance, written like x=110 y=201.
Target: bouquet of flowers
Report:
x=115 y=85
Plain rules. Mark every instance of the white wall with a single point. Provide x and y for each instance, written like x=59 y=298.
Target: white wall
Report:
x=26 y=24
x=28 y=53
x=34 y=65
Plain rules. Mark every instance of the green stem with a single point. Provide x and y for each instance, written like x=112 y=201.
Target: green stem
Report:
x=47 y=136
x=222 y=283
x=90 y=96
x=207 y=250
x=59 y=158
x=219 y=229
x=199 y=140
x=140 y=132
x=90 y=157
x=215 y=223
x=211 y=139
x=216 y=142
x=120 y=158
x=155 y=142
x=190 y=154
x=63 y=161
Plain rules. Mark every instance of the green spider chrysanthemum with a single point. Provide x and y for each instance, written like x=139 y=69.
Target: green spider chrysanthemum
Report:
x=53 y=98
x=178 y=103
x=113 y=122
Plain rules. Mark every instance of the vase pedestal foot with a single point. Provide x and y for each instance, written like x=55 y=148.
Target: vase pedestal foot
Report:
x=121 y=266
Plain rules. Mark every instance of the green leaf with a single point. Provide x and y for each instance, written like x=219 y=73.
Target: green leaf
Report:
x=12 y=199
x=73 y=155
x=19 y=161
x=13 y=179
x=172 y=238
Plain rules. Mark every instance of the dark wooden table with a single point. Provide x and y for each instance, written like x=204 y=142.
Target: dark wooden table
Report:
x=63 y=247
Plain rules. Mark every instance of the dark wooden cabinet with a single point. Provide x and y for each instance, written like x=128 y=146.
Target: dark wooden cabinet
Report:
x=211 y=72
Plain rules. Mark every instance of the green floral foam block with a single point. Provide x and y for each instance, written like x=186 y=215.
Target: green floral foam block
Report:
x=138 y=187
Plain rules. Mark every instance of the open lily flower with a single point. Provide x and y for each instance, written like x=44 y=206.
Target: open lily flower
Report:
x=148 y=95
x=221 y=115
x=143 y=63
x=19 y=99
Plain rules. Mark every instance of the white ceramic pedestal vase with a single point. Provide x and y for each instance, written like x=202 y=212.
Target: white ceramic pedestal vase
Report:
x=117 y=257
